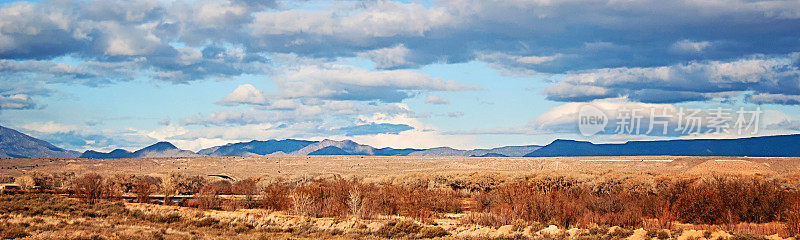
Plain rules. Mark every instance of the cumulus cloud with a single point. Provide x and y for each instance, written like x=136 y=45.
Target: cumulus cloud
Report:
x=375 y=20
x=245 y=94
x=82 y=138
x=659 y=120
x=687 y=46
x=387 y=58
x=301 y=111
x=564 y=118
x=313 y=92
x=537 y=59
x=652 y=121
x=373 y=128
x=695 y=81
x=343 y=82
x=186 y=41
x=164 y=122
x=547 y=36
x=421 y=136
x=433 y=99
x=708 y=50
x=380 y=126
x=767 y=98
x=233 y=117
x=16 y=101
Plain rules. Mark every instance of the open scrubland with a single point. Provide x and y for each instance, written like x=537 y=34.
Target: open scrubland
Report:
x=359 y=197
x=377 y=166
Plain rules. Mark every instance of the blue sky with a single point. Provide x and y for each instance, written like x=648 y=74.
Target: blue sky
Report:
x=466 y=74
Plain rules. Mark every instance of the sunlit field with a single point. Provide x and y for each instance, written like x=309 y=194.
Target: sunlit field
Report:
x=673 y=200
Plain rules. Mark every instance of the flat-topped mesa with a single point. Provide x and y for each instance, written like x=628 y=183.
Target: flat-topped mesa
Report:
x=768 y=146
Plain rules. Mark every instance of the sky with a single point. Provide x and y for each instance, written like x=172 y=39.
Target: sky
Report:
x=464 y=73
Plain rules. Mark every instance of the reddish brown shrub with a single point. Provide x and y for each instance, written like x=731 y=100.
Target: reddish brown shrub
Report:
x=276 y=197
x=144 y=187
x=729 y=200
x=414 y=202
x=208 y=197
x=323 y=198
x=792 y=214
x=90 y=187
x=178 y=183
x=248 y=189
x=221 y=187
x=382 y=199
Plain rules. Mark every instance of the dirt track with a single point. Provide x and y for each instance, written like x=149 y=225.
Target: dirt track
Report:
x=242 y=167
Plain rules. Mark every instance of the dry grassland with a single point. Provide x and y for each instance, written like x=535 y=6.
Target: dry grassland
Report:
x=361 y=197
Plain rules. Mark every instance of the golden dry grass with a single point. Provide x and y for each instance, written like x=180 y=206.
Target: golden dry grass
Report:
x=602 y=193
x=367 y=166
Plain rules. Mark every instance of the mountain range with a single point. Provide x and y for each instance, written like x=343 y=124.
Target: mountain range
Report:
x=14 y=144
x=160 y=149
x=769 y=146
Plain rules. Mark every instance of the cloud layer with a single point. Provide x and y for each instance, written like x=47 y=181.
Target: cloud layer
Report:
x=181 y=41
x=347 y=68
x=766 y=80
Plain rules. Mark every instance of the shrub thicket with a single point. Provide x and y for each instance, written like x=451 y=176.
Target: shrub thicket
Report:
x=566 y=200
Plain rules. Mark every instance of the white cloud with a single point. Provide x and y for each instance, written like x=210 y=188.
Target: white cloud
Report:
x=216 y=12
x=565 y=116
x=421 y=136
x=245 y=94
x=695 y=81
x=129 y=41
x=342 y=82
x=537 y=59
x=83 y=138
x=51 y=127
x=688 y=46
x=564 y=119
x=767 y=98
x=299 y=112
x=390 y=57
x=375 y=20
x=16 y=101
x=188 y=56
x=433 y=99
x=577 y=92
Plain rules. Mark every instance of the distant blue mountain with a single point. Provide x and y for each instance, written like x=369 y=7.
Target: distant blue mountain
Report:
x=158 y=150
x=256 y=148
x=14 y=144
x=157 y=147
x=352 y=148
x=331 y=150
x=118 y=153
x=770 y=146
x=507 y=151
x=395 y=152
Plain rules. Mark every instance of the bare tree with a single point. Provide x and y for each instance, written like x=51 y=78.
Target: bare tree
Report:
x=144 y=187
x=354 y=202
x=275 y=197
x=91 y=187
x=208 y=196
x=247 y=188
